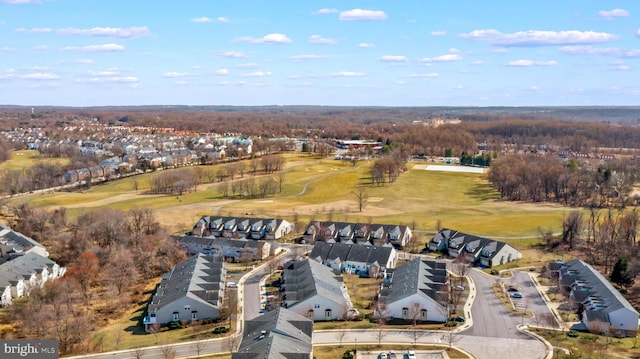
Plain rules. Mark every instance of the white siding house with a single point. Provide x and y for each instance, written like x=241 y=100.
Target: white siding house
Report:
x=314 y=291
x=417 y=291
x=193 y=290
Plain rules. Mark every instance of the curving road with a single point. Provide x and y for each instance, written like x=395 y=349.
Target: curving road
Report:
x=493 y=334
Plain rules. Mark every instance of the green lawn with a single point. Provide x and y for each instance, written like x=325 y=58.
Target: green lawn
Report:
x=461 y=201
x=24 y=159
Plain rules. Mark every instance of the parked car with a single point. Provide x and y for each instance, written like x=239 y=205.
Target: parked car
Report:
x=459 y=319
x=382 y=355
x=513 y=289
x=459 y=288
x=411 y=354
x=392 y=354
x=516 y=295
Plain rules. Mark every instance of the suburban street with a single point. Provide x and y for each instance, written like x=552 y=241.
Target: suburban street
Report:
x=493 y=335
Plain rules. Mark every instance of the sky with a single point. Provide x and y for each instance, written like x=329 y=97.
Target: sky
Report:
x=303 y=52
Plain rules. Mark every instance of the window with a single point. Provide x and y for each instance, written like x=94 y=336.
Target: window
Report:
x=405 y=312
x=310 y=314
x=187 y=307
x=194 y=315
x=317 y=306
x=176 y=316
x=423 y=313
x=327 y=313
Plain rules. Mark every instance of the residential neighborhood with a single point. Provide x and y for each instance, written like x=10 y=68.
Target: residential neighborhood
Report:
x=345 y=232
x=24 y=265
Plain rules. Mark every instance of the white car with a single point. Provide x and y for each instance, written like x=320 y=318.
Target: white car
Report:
x=382 y=355
x=411 y=354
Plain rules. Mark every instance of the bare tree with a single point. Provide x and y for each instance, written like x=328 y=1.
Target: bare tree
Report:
x=168 y=352
x=198 y=345
x=138 y=353
x=450 y=337
x=360 y=192
x=154 y=329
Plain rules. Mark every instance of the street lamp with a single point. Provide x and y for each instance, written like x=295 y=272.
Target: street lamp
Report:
x=355 y=346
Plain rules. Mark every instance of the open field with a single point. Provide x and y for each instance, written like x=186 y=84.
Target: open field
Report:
x=322 y=190
x=24 y=159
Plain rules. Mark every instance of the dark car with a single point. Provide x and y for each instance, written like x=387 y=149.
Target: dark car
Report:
x=513 y=289
x=459 y=319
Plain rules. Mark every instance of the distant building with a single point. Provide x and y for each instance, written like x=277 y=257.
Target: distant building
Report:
x=473 y=249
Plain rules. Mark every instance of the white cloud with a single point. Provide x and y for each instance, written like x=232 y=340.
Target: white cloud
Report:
x=442 y=58
x=95 y=48
x=317 y=39
x=539 y=38
x=267 y=39
x=610 y=14
x=112 y=79
x=427 y=75
x=362 y=15
x=530 y=63
x=325 y=11
x=40 y=76
x=638 y=33
x=117 y=32
x=7 y=48
x=623 y=67
x=534 y=88
x=601 y=51
x=258 y=74
x=16 y=2
x=35 y=30
x=84 y=61
x=222 y=19
x=366 y=45
x=233 y=54
x=477 y=62
x=249 y=65
x=107 y=72
x=201 y=20
x=347 y=74
x=174 y=74
x=222 y=72
x=305 y=57
x=237 y=83
x=438 y=33
x=40 y=48
x=393 y=58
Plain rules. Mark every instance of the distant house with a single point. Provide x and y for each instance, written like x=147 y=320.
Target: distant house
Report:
x=193 y=290
x=235 y=250
x=242 y=227
x=278 y=334
x=363 y=259
x=473 y=249
x=315 y=291
x=416 y=291
x=345 y=232
x=600 y=306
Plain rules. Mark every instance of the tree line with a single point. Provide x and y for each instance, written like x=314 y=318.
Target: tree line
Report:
x=110 y=255
x=536 y=178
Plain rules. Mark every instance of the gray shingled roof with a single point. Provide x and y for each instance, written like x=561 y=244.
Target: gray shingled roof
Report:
x=425 y=277
x=352 y=252
x=595 y=287
x=198 y=277
x=304 y=279
x=12 y=241
x=279 y=334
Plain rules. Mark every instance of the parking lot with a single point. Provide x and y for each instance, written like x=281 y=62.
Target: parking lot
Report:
x=401 y=354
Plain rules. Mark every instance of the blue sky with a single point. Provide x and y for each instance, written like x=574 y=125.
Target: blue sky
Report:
x=301 y=52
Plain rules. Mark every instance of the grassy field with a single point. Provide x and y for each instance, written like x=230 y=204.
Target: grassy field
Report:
x=24 y=159
x=322 y=190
